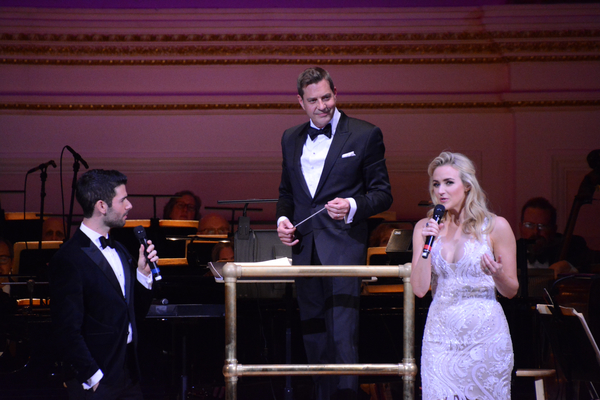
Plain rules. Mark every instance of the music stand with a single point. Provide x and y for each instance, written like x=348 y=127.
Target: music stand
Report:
x=20 y=227
x=169 y=236
x=537 y=279
x=200 y=247
x=399 y=247
x=29 y=265
x=22 y=250
x=174 y=235
x=573 y=345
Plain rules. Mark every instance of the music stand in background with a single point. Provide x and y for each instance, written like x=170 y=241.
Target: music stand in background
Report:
x=233 y=210
x=573 y=345
x=398 y=251
x=30 y=265
x=173 y=236
x=200 y=247
x=169 y=236
x=399 y=248
x=252 y=245
x=21 y=227
x=537 y=279
x=244 y=237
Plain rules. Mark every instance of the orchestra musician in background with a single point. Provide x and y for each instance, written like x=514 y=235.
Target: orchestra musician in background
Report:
x=185 y=206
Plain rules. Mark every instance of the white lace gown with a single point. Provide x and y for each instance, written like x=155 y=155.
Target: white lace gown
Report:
x=467 y=350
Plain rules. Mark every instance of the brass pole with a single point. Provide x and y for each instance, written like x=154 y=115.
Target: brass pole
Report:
x=322 y=369
x=409 y=333
x=232 y=370
x=291 y=271
x=230 y=367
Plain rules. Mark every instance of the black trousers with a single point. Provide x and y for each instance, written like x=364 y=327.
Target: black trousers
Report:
x=329 y=309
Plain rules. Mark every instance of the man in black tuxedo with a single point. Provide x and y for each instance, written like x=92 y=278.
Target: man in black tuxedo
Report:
x=337 y=163
x=96 y=291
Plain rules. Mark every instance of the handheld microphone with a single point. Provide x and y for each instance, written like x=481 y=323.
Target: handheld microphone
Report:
x=77 y=157
x=140 y=234
x=438 y=212
x=42 y=166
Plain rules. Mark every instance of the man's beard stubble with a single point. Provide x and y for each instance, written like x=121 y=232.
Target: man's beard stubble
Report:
x=112 y=222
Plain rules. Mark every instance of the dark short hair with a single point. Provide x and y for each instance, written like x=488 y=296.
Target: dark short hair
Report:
x=97 y=184
x=542 y=204
x=313 y=75
x=173 y=200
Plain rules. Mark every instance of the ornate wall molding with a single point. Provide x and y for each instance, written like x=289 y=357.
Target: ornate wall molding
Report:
x=299 y=61
x=287 y=36
x=294 y=106
x=148 y=49
x=300 y=37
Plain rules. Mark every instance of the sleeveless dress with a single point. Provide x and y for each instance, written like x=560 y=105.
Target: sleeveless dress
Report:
x=467 y=350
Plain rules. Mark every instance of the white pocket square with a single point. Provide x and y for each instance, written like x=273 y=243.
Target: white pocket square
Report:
x=346 y=155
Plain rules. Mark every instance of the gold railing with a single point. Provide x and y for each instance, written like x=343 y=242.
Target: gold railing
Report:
x=232 y=370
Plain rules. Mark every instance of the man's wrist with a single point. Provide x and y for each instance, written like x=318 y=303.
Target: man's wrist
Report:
x=350 y=216
x=94 y=379
x=281 y=219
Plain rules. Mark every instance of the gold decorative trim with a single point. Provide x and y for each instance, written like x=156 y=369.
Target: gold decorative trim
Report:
x=327 y=50
x=285 y=48
x=299 y=61
x=297 y=37
x=294 y=106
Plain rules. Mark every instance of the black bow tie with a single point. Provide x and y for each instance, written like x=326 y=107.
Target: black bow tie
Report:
x=313 y=133
x=107 y=242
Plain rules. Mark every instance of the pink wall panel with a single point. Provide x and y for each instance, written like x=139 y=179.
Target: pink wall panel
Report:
x=517 y=89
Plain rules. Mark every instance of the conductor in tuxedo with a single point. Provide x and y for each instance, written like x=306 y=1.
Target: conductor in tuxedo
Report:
x=337 y=163
x=97 y=289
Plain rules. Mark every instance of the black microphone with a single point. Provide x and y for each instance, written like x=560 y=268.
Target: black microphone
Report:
x=140 y=234
x=77 y=157
x=438 y=212
x=42 y=166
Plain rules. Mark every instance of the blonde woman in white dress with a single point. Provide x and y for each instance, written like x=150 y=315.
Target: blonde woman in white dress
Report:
x=467 y=350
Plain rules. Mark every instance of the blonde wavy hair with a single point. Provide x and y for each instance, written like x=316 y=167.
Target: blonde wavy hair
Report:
x=475 y=209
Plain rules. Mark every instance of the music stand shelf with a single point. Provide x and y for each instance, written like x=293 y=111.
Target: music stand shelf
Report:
x=572 y=343
x=20 y=247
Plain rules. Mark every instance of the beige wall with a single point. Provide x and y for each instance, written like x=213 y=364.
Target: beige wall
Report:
x=516 y=88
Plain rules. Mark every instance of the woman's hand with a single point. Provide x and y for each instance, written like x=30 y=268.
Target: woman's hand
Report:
x=490 y=266
x=420 y=275
x=431 y=228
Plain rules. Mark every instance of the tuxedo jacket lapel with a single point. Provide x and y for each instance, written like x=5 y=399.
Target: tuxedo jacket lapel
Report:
x=337 y=144
x=300 y=141
x=129 y=276
x=96 y=255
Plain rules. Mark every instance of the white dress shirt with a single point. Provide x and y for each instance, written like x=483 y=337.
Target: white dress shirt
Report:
x=314 y=153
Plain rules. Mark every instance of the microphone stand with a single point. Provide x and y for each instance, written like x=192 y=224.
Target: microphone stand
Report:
x=43 y=177
x=76 y=167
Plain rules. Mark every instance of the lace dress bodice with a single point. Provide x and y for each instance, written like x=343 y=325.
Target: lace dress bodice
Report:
x=467 y=350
